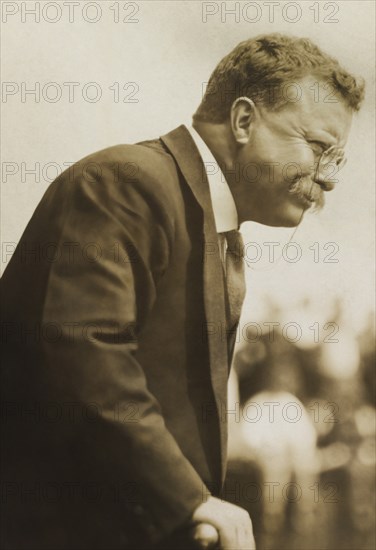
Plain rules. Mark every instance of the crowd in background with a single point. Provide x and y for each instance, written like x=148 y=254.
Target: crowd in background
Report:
x=302 y=438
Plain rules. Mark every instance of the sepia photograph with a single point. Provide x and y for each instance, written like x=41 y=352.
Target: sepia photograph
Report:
x=188 y=275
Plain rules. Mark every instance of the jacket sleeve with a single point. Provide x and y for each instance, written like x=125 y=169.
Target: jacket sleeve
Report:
x=108 y=241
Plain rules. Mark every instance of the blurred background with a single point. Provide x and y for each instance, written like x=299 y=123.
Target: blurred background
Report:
x=81 y=76
x=302 y=432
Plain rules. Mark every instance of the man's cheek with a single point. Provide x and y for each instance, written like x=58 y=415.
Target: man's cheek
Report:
x=301 y=167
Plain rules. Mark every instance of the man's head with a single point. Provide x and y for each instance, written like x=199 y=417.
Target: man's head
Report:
x=271 y=108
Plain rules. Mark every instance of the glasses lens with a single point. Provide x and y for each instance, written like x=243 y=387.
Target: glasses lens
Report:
x=332 y=157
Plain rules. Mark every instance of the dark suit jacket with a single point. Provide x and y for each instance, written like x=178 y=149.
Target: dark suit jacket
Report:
x=114 y=380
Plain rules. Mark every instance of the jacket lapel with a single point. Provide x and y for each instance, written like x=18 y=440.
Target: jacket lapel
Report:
x=184 y=150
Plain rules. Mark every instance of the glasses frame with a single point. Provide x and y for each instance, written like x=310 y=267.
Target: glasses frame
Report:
x=336 y=158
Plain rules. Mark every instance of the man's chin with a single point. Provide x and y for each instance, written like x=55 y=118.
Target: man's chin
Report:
x=294 y=215
x=289 y=217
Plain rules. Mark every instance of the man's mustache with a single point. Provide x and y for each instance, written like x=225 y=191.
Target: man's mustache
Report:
x=305 y=188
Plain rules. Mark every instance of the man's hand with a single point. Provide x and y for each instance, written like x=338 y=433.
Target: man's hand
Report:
x=232 y=523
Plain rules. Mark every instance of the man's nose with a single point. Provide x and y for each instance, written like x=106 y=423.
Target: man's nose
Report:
x=326 y=183
x=326 y=173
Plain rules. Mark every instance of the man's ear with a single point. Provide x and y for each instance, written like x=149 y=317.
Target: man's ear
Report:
x=242 y=115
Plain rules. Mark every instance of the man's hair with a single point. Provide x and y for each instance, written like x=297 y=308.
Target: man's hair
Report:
x=262 y=68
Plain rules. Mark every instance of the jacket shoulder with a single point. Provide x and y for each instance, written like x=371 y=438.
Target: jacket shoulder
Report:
x=139 y=159
x=146 y=167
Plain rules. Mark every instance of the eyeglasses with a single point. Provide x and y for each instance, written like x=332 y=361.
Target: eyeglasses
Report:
x=330 y=162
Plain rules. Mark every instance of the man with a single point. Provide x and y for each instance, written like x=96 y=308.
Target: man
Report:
x=121 y=303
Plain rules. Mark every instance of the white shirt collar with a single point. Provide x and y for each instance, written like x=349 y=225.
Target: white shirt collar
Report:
x=225 y=214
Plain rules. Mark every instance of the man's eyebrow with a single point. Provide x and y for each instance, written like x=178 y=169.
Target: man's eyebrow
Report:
x=333 y=132
x=324 y=135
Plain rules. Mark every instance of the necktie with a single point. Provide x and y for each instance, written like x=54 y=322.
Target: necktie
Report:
x=234 y=275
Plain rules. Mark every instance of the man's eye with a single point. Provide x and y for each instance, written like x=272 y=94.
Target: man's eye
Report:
x=318 y=147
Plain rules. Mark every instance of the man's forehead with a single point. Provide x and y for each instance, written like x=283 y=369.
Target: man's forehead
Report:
x=318 y=95
x=318 y=108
